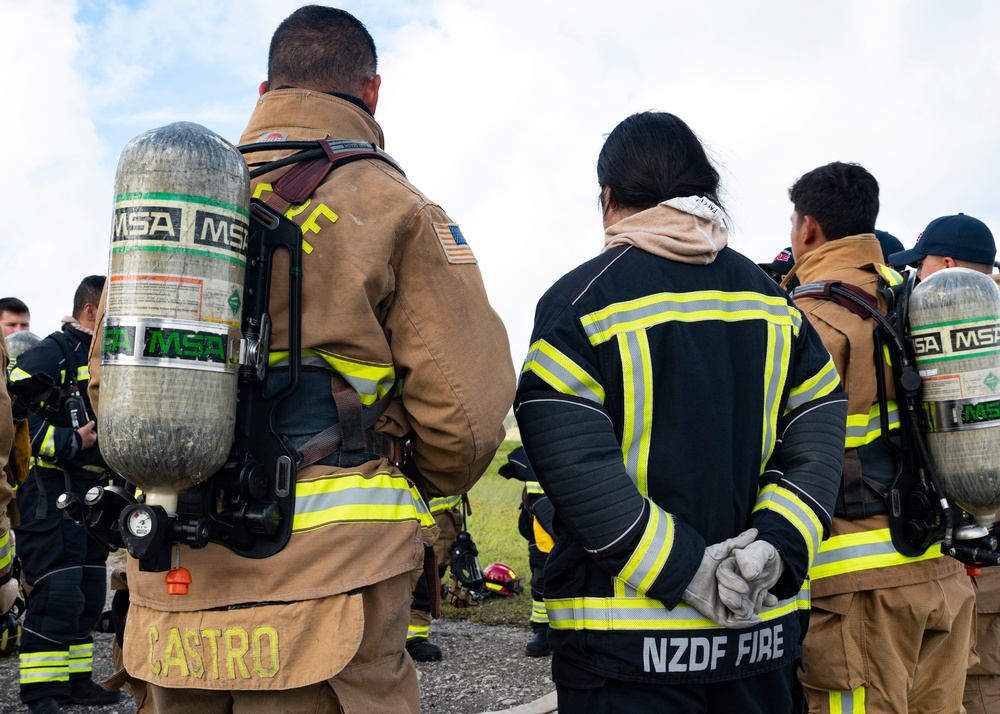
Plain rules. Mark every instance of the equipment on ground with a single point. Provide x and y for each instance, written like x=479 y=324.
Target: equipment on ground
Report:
x=501 y=580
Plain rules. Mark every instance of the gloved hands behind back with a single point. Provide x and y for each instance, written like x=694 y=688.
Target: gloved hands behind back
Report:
x=746 y=575
x=9 y=592
x=702 y=592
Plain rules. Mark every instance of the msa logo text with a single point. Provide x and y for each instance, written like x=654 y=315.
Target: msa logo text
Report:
x=218 y=231
x=930 y=344
x=183 y=344
x=147 y=223
x=975 y=338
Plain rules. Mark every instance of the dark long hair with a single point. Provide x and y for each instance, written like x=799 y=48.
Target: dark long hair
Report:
x=652 y=157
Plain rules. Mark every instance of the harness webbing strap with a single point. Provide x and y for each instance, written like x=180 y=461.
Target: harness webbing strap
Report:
x=832 y=290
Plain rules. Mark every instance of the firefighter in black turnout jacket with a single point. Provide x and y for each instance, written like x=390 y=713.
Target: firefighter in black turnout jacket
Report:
x=64 y=568
x=688 y=426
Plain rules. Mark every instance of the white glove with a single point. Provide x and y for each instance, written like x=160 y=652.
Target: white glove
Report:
x=746 y=576
x=8 y=594
x=702 y=592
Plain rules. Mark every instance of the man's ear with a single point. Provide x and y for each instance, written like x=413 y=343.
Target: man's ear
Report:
x=369 y=92
x=812 y=232
x=263 y=88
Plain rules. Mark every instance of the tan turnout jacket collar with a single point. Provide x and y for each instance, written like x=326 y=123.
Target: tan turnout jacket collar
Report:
x=312 y=109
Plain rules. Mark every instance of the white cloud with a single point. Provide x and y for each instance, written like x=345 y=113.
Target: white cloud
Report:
x=498 y=112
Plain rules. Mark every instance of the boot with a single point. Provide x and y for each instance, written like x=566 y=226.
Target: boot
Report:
x=89 y=693
x=44 y=706
x=538 y=645
x=423 y=651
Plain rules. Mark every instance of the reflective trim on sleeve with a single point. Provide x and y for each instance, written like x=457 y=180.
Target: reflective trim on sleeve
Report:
x=639 y=613
x=533 y=488
x=371 y=380
x=867 y=550
x=865 y=428
x=47 y=449
x=890 y=275
x=785 y=502
x=697 y=306
x=352 y=498
x=816 y=387
x=41 y=667
x=561 y=373
x=444 y=503
x=637 y=383
x=652 y=551
x=848 y=702
x=17 y=374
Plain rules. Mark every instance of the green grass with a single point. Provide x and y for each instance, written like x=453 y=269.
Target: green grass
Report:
x=493 y=525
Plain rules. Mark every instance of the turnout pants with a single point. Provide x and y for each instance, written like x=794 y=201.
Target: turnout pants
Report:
x=65 y=570
x=380 y=678
x=420 y=609
x=982 y=684
x=901 y=649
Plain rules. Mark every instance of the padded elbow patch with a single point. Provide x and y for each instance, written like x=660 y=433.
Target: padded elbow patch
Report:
x=578 y=461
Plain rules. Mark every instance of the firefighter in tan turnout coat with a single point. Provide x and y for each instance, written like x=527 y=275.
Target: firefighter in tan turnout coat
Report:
x=392 y=300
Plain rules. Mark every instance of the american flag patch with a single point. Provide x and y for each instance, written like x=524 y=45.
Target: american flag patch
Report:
x=454 y=244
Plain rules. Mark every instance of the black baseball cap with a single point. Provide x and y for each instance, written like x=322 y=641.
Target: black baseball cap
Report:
x=890 y=243
x=960 y=237
x=781 y=264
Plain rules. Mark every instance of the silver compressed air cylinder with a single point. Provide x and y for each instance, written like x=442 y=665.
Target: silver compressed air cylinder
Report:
x=173 y=306
x=955 y=324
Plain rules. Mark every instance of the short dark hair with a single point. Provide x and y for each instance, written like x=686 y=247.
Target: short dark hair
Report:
x=13 y=305
x=652 y=157
x=89 y=292
x=321 y=48
x=842 y=198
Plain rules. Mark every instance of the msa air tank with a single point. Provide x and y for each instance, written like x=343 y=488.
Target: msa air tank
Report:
x=173 y=305
x=955 y=324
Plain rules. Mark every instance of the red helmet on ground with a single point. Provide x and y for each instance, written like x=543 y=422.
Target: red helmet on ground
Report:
x=502 y=580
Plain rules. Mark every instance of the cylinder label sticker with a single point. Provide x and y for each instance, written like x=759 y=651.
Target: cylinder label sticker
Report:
x=179 y=344
x=175 y=296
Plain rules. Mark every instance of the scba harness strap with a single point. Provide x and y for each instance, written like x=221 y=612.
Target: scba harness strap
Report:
x=354 y=435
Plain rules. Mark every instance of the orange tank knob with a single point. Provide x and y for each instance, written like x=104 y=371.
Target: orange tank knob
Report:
x=177 y=581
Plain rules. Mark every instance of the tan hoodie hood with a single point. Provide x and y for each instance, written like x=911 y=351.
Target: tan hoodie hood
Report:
x=686 y=230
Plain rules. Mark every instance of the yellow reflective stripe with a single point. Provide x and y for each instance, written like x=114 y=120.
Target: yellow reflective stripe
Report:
x=640 y=613
x=865 y=428
x=561 y=373
x=38 y=667
x=47 y=450
x=787 y=503
x=697 y=306
x=776 y=360
x=533 y=487
x=652 y=551
x=352 y=498
x=371 y=380
x=81 y=658
x=444 y=503
x=637 y=383
x=417 y=631
x=539 y=615
x=867 y=550
x=890 y=275
x=821 y=384
x=83 y=373
x=848 y=702
x=6 y=551
x=17 y=374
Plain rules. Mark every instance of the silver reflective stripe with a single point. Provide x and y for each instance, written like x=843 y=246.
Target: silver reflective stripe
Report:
x=638 y=398
x=826 y=380
x=557 y=370
x=801 y=516
x=670 y=307
x=851 y=552
x=652 y=552
x=778 y=347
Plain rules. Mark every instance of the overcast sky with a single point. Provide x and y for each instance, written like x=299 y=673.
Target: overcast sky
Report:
x=497 y=111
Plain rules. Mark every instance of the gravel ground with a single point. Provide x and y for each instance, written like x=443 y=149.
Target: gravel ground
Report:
x=483 y=669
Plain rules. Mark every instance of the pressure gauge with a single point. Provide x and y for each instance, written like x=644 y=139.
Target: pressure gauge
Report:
x=140 y=523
